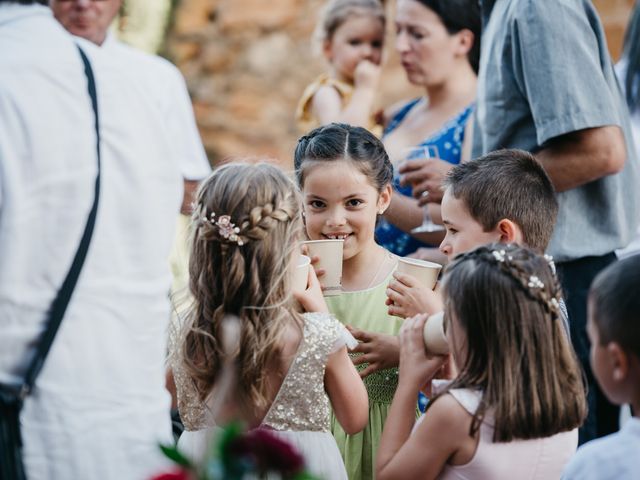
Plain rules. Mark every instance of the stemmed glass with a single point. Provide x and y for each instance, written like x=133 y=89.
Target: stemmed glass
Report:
x=428 y=152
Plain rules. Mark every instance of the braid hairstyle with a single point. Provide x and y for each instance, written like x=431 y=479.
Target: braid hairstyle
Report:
x=505 y=300
x=241 y=270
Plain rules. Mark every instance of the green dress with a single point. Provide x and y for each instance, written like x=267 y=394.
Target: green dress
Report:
x=366 y=310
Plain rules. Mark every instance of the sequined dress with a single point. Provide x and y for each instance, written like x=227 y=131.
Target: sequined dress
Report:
x=301 y=409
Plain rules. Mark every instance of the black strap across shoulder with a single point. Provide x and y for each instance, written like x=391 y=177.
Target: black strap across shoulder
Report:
x=12 y=396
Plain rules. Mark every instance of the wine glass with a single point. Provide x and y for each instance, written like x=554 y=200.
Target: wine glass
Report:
x=429 y=152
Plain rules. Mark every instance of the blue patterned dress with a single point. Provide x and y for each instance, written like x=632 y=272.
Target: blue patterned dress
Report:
x=448 y=140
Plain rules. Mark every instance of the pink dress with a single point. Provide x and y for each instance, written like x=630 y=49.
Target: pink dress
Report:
x=541 y=458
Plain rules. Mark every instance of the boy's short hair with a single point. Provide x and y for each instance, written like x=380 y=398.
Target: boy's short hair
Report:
x=508 y=184
x=615 y=304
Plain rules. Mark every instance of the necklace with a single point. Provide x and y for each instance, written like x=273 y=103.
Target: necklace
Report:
x=375 y=276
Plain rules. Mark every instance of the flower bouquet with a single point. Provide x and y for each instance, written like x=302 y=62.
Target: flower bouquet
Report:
x=236 y=454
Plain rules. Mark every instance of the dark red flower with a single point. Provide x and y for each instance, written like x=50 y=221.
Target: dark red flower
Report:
x=175 y=474
x=268 y=451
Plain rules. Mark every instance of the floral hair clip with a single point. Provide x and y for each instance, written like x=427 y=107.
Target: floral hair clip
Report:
x=552 y=265
x=535 y=282
x=501 y=256
x=226 y=228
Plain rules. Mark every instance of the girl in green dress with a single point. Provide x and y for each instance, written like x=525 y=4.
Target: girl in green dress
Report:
x=345 y=176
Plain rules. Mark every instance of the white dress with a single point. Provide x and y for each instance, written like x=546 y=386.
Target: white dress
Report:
x=300 y=410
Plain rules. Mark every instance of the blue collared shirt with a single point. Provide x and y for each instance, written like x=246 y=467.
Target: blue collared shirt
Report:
x=615 y=457
x=545 y=71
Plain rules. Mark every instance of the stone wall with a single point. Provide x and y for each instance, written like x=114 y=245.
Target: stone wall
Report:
x=247 y=62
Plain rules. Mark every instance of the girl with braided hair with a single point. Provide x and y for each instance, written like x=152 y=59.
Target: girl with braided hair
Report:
x=290 y=367
x=514 y=407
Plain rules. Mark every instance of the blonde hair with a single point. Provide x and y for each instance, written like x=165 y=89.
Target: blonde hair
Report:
x=245 y=273
x=336 y=12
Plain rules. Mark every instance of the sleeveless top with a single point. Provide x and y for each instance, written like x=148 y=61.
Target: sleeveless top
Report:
x=306 y=121
x=448 y=140
x=301 y=403
x=536 y=459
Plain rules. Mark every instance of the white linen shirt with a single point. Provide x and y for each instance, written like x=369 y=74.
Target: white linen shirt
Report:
x=163 y=86
x=100 y=406
x=614 y=457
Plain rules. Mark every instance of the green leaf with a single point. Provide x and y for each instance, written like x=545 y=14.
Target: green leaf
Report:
x=172 y=452
x=304 y=476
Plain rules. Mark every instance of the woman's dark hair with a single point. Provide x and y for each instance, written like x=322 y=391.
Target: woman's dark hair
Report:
x=631 y=51
x=339 y=141
x=459 y=15
x=506 y=301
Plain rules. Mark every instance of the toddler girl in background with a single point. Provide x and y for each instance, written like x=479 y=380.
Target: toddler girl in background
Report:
x=514 y=408
x=245 y=246
x=345 y=176
x=351 y=33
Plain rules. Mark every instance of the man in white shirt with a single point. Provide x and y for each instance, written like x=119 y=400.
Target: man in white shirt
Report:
x=160 y=80
x=100 y=407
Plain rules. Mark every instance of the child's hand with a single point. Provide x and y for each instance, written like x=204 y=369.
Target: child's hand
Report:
x=417 y=368
x=406 y=297
x=311 y=299
x=366 y=75
x=314 y=263
x=379 y=350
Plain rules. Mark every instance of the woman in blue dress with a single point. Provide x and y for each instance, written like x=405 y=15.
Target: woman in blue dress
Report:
x=438 y=42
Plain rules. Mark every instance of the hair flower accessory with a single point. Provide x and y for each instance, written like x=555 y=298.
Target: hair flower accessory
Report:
x=535 y=282
x=225 y=227
x=499 y=255
x=552 y=265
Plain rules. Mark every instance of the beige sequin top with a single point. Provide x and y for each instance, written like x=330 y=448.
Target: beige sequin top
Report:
x=301 y=404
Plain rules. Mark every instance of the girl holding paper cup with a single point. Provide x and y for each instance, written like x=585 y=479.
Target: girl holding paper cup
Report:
x=345 y=177
x=514 y=408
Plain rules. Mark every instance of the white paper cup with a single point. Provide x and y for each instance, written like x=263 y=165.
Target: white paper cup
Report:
x=301 y=274
x=330 y=254
x=425 y=272
x=435 y=340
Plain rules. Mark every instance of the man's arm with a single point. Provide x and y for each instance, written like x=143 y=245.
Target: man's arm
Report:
x=189 y=196
x=580 y=157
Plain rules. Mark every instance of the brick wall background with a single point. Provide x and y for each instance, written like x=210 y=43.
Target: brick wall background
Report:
x=247 y=61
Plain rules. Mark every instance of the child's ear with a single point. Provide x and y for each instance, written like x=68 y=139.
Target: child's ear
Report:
x=509 y=232
x=619 y=361
x=384 y=198
x=326 y=49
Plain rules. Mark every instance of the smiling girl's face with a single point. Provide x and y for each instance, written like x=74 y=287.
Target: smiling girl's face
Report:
x=341 y=203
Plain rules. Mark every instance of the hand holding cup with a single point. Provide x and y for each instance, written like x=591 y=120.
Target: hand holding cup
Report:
x=326 y=258
x=425 y=175
x=417 y=366
x=310 y=297
x=407 y=297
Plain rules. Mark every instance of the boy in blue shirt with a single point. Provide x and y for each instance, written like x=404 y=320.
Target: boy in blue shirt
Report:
x=613 y=326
